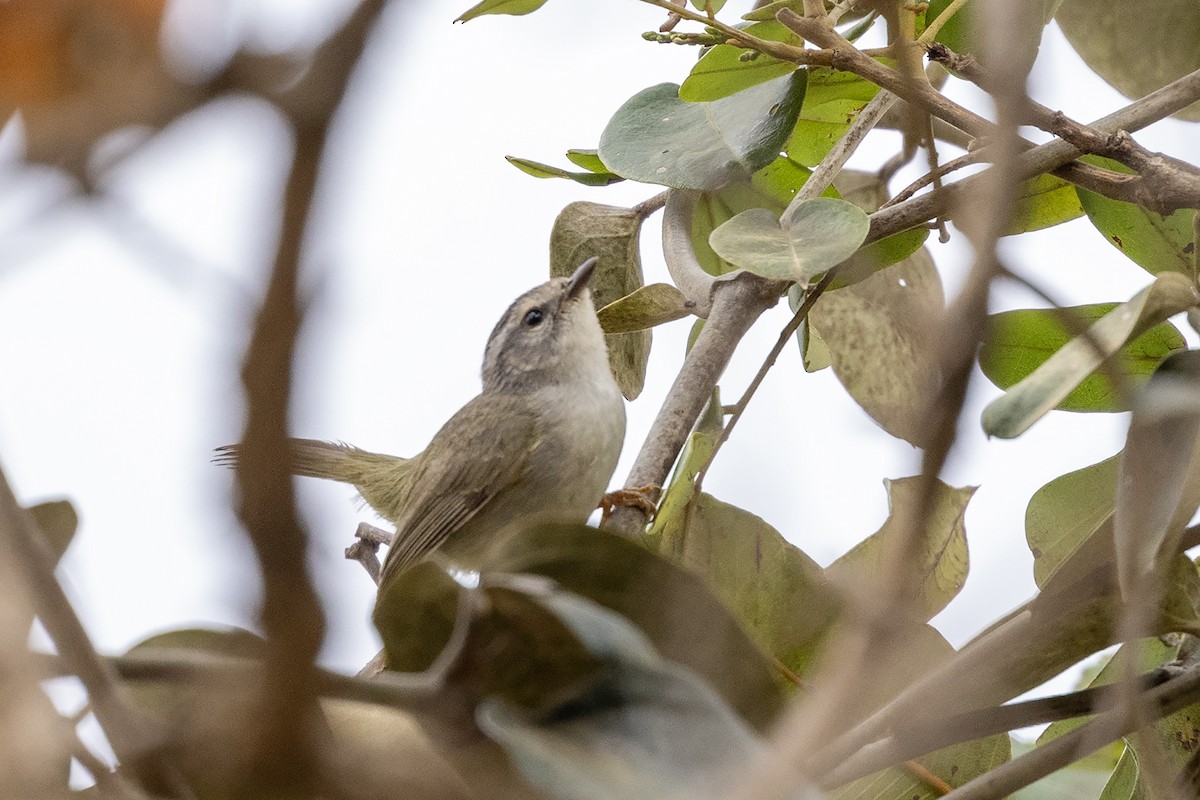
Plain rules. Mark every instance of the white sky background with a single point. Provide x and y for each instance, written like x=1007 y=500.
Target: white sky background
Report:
x=123 y=321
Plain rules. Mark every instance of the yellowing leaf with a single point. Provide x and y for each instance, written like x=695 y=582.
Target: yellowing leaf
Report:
x=944 y=564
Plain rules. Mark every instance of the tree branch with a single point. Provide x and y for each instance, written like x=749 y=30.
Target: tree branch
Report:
x=1163 y=184
x=292 y=618
x=736 y=304
x=1176 y=694
x=133 y=739
x=914 y=741
x=1044 y=158
x=848 y=58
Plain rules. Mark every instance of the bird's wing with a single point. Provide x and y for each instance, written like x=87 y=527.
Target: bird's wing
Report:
x=481 y=451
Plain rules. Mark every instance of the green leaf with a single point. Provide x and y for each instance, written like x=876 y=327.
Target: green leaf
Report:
x=879 y=333
x=644 y=308
x=1018 y=342
x=1085 y=778
x=819 y=234
x=539 y=170
x=878 y=255
x=670 y=604
x=655 y=137
x=1112 y=45
x=772 y=187
x=1158 y=483
x=587 y=159
x=644 y=729
x=514 y=8
x=778 y=592
x=1155 y=243
x=943 y=567
x=610 y=233
x=1048 y=385
x=58 y=522
x=1068 y=513
x=832 y=101
x=955 y=765
x=1045 y=201
x=813 y=349
x=962 y=35
x=726 y=69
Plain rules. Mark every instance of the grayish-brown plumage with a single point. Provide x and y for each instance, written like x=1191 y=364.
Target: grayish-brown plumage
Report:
x=540 y=441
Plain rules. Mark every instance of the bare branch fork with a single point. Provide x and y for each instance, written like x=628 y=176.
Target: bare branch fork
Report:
x=1163 y=184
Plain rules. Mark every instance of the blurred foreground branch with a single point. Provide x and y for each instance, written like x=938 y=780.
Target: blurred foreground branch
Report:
x=282 y=756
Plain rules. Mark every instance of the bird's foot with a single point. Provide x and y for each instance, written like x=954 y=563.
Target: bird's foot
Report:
x=641 y=497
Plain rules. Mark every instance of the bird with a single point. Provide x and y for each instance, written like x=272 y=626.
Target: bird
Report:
x=539 y=442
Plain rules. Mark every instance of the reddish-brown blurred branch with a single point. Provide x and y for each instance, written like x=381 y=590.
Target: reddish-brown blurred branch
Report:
x=291 y=613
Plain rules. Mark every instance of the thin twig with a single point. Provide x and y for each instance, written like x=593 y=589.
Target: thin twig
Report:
x=1041 y=159
x=934 y=175
x=737 y=303
x=1172 y=696
x=739 y=408
x=833 y=162
x=848 y=58
x=780 y=50
x=133 y=739
x=914 y=741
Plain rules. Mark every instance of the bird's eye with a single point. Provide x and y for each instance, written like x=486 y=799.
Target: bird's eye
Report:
x=533 y=317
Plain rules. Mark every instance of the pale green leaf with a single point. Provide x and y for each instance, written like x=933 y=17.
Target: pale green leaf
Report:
x=540 y=170
x=586 y=159
x=819 y=234
x=656 y=137
x=644 y=308
x=1069 y=512
x=1048 y=385
x=1018 y=342
x=772 y=187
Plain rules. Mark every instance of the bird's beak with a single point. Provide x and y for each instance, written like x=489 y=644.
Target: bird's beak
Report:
x=581 y=277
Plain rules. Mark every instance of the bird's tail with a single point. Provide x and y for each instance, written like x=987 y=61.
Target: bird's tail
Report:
x=382 y=480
